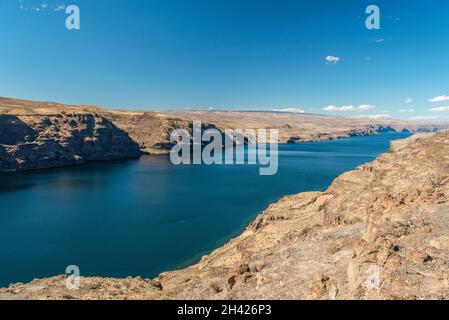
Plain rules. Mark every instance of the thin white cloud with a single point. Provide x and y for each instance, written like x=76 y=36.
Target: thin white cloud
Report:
x=440 y=109
x=59 y=7
x=408 y=100
x=362 y=107
x=374 y=116
x=332 y=60
x=365 y=107
x=393 y=18
x=45 y=5
x=381 y=40
x=407 y=110
x=439 y=99
x=291 y=110
x=341 y=108
x=417 y=118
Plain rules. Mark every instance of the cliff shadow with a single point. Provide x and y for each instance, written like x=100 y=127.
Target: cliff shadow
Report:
x=14 y=131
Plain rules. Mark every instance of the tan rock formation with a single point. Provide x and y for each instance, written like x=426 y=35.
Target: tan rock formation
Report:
x=35 y=135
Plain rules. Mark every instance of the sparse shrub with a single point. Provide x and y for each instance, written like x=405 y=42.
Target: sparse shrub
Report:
x=436 y=180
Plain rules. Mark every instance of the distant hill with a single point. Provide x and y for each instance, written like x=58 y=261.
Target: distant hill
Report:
x=35 y=135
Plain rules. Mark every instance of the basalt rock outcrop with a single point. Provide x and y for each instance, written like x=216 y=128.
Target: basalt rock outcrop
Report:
x=152 y=130
x=35 y=135
x=379 y=232
x=52 y=140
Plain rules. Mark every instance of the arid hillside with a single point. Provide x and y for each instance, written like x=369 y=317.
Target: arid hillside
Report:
x=378 y=232
x=297 y=127
x=35 y=135
x=45 y=135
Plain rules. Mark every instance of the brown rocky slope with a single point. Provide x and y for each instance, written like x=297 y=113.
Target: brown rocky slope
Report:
x=36 y=135
x=379 y=232
x=44 y=135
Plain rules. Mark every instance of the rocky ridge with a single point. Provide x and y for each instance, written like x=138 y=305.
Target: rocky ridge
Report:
x=47 y=140
x=36 y=135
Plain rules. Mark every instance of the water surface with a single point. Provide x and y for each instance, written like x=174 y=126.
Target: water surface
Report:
x=142 y=217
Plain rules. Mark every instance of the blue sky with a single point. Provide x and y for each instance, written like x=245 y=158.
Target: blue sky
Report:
x=230 y=54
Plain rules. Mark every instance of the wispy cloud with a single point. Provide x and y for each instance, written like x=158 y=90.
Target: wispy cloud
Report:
x=332 y=59
x=59 y=7
x=365 y=107
x=408 y=100
x=407 y=110
x=291 y=110
x=439 y=99
x=340 y=108
x=381 y=40
x=393 y=18
x=41 y=6
x=417 y=118
x=373 y=116
x=362 y=107
x=440 y=109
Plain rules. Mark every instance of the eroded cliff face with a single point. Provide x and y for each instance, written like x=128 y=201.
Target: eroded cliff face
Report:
x=152 y=130
x=40 y=141
x=36 y=135
x=379 y=232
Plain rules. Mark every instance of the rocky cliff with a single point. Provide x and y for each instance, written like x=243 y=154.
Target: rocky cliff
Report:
x=152 y=130
x=378 y=232
x=46 y=138
x=35 y=135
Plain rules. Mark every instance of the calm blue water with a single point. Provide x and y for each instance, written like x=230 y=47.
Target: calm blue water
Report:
x=145 y=216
